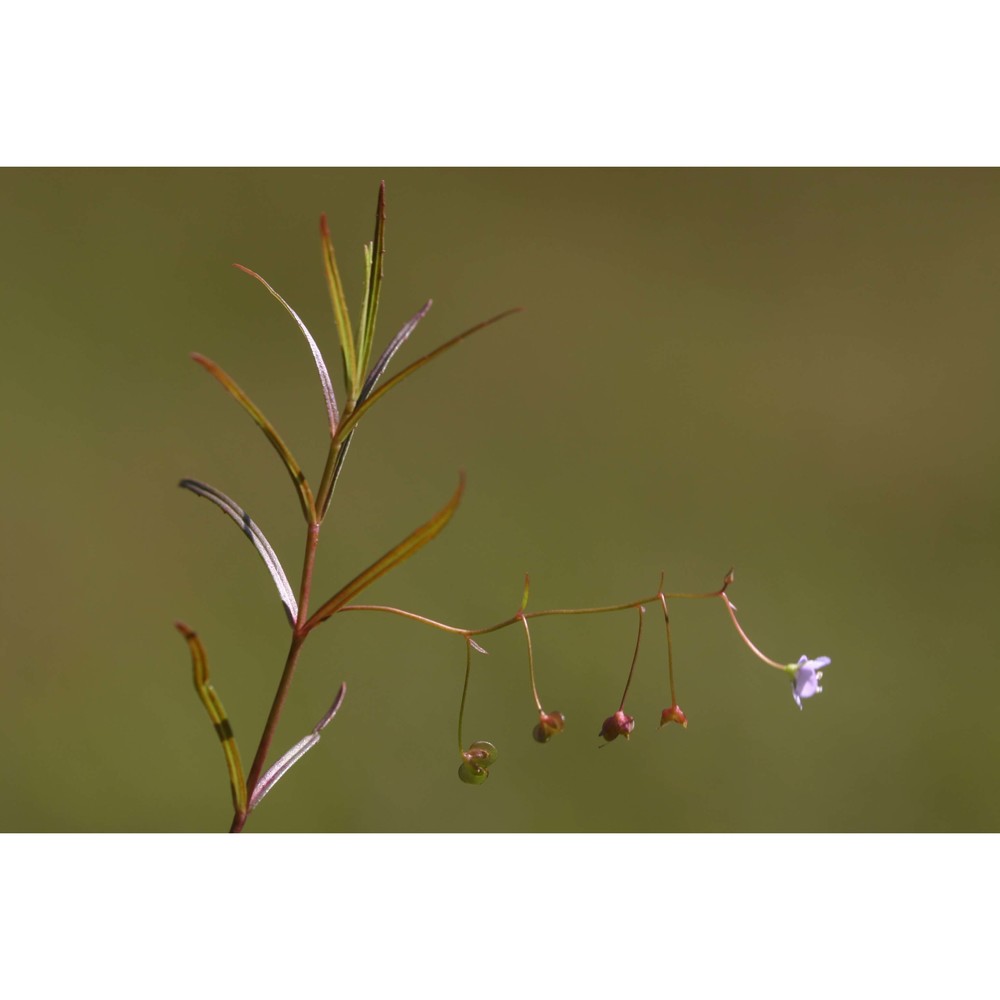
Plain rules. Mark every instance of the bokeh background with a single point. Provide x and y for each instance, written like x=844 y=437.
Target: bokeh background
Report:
x=793 y=372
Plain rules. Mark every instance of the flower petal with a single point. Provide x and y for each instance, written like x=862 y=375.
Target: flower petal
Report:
x=806 y=677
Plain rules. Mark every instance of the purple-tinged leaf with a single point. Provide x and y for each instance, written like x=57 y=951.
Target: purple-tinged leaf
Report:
x=332 y=710
x=373 y=377
x=350 y=420
x=396 y=343
x=324 y=375
x=391 y=559
x=293 y=467
x=278 y=770
x=257 y=539
x=218 y=716
x=341 y=453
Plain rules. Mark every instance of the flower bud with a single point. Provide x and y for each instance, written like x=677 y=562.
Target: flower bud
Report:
x=617 y=725
x=549 y=723
x=673 y=714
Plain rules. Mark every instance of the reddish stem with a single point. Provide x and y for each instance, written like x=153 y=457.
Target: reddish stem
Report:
x=670 y=649
x=298 y=638
x=531 y=662
x=635 y=656
x=739 y=628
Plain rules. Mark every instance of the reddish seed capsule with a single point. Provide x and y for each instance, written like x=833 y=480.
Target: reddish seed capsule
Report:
x=673 y=714
x=549 y=723
x=617 y=725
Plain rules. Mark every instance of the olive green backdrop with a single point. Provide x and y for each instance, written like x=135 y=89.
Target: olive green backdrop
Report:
x=793 y=372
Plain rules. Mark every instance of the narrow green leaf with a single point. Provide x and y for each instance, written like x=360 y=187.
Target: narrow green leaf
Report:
x=527 y=591
x=278 y=770
x=350 y=421
x=257 y=539
x=340 y=311
x=391 y=559
x=324 y=375
x=293 y=467
x=218 y=716
x=374 y=254
x=373 y=376
x=335 y=459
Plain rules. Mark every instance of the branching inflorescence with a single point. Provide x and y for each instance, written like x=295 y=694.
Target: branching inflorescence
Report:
x=362 y=389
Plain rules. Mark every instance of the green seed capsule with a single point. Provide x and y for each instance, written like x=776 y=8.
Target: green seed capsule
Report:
x=471 y=774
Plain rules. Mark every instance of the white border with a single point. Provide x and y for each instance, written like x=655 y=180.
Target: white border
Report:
x=545 y=83
x=497 y=916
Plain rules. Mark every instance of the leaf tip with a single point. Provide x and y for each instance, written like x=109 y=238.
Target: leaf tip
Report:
x=333 y=709
x=206 y=363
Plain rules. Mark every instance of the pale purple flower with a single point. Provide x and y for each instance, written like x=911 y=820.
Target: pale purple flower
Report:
x=806 y=675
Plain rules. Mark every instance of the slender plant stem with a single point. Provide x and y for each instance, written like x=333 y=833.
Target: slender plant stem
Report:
x=521 y=615
x=465 y=691
x=531 y=662
x=670 y=650
x=298 y=638
x=305 y=589
x=454 y=629
x=326 y=482
x=739 y=628
x=635 y=656
x=270 y=726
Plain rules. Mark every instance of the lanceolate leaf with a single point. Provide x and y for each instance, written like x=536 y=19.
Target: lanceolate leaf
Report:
x=341 y=455
x=324 y=375
x=373 y=377
x=218 y=716
x=350 y=421
x=370 y=394
x=397 y=342
x=256 y=536
x=285 y=763
x=373 y=284
x=391 y=559
x=340 y=313
x=294 y=470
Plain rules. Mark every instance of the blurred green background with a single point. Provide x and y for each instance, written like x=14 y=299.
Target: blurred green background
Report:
x=792 y=372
